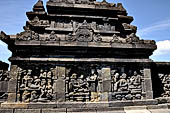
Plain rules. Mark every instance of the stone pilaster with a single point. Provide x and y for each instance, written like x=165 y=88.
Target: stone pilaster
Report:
x=12 y=85
x=60 y=84
x=148 y=83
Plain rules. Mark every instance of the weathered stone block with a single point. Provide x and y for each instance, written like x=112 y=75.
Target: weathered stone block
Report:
x=149 y=94
x=120 y=103
x=13 y=71
x=148 y=84
x=10 y=105
x=147 y=73
x=54 y=110
x=11 y=97
x=145 y=102
x=160 y=111
x=137 y=111
x=61 y=71
x=104 y=96
x=81 y=110
x=27 y=111
x=107 y=86
x=71 y=105
x=6 y=110
x=12 y=84
x=159 y=106
x=106 y=74
x=97 y=105
x=49 y=105
x=3 y=86
x=60 y=90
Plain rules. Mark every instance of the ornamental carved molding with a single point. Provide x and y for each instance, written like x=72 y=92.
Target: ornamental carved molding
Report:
x=84 y=33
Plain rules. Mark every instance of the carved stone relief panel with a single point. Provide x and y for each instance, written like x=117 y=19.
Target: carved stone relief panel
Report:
x=79 y=83
x=82 y=82
x=4 y=75
x=4 y=79
x=35 y=84
x=36 y=21
x=89 y=83
x=127 y=85
x=165 y=80
x=28 y=35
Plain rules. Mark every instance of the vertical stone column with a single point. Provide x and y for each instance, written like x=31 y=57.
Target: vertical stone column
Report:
x=148 y=83
x=106 y=85
x=59 y=84
x=12 y=85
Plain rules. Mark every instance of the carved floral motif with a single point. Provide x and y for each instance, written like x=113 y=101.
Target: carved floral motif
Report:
x=28 y=35
x=84 y=32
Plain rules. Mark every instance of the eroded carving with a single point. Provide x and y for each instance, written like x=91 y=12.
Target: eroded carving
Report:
x=84 y=32
x=35 y=87
x=4 y=75
x=98 y=38
x=116 y=39
x=36 y=21
x=53 y=37
x=28 y=35
x=82 y=85
x=128 y=26
x=165 y=79
x=132 y=38
x=127 y=87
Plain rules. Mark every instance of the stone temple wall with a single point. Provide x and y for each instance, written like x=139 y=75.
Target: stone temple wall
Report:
x=82 y=56
x=4 y=78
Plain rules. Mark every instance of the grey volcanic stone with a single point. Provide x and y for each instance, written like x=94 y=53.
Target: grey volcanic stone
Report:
x=54 y=111
x=6 y=110
x=27 y=111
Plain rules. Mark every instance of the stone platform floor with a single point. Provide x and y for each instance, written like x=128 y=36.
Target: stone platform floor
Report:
x=161 y=105
x=131 y=109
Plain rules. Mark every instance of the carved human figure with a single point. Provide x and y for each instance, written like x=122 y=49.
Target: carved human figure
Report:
x=132 y=38
x=49 y=89
x=166 y=84
x=36 y=84
x=49 y=74
x=115 y=79
x=122 y=84
x=69 y=37
x=93 y=80
x=83 y=83
x=136 y=80
x=93 y=76
x=26 y=96
x=43 y=89
x=34 y=96
x=27 y=80
x=6 y=76
x=98 y=38
x=43 y=74
x=35 y=36
x=75 y=83
x=52 y=37
x=1 y=75
x=115 y=39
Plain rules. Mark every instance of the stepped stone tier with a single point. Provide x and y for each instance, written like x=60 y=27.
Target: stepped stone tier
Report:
x=83 y=56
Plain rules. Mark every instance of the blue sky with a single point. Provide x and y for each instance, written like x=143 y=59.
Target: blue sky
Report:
x=152 y=18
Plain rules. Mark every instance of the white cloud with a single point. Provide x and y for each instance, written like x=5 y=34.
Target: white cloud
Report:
x=163 y=48
x=155 y=27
